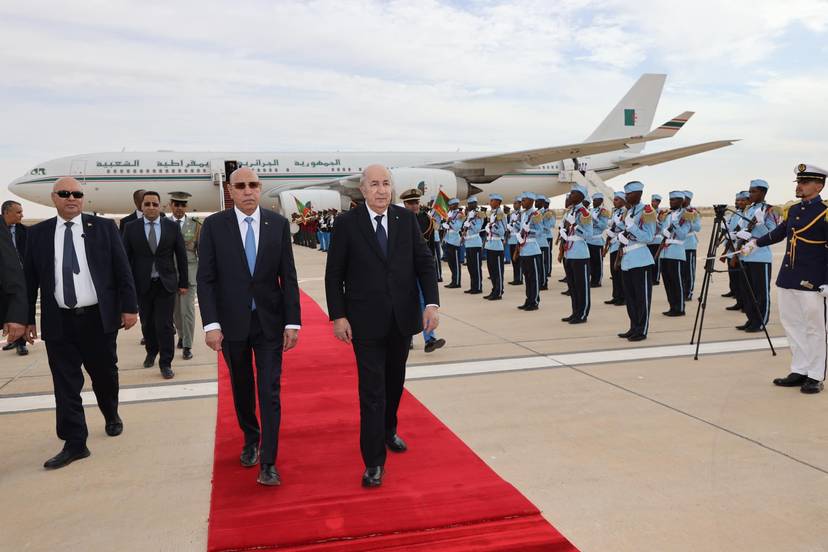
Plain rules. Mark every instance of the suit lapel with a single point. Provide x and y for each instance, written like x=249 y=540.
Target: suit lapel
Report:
x=265 y=237
x=367 y=228
x=50 y=250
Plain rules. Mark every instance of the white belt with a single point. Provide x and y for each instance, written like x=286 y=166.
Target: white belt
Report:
x=633 y=247
x=529 y=240
x=676 y=242
x=575 y=238
x=491 y=238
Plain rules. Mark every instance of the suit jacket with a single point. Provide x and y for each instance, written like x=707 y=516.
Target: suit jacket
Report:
x=20 y=240
x=108 y=267
x=170 y=256
x=126 y=220
x=13 y=307
x=373 y=291
x=225 y=285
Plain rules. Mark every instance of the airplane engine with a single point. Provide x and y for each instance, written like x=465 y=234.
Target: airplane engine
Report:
x=429 y=181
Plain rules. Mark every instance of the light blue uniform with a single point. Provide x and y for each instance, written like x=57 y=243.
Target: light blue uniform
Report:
x=674 y=229
x=600 y=222
x=576 y=244
x=760 y=254
x=496 y=233
x=616 y=226
x=639 y=233
x=453 y=226
x=531 y=229
x=473 y=225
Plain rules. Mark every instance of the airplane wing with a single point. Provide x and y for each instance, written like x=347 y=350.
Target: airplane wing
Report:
x=670 y=155
x=539 y=156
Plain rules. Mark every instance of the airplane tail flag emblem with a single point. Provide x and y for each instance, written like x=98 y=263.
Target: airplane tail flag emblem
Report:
x=629 y=117
x=441 y=204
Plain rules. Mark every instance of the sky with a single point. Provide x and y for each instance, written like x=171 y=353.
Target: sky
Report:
x=365 y=75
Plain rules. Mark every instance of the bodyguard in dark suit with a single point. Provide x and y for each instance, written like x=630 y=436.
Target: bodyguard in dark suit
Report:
x=12 y=216
x=78 y=264
x=376 y=259
x=13 y=306
x=137 y=198
x=156 y=253
x=248 y=296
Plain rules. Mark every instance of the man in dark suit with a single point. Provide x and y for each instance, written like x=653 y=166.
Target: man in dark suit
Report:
x=12 y=218
x=138 y=199
x=156 y=253
x=78 y=263
x=376 y=260
x=13 y=306
x=248 y=296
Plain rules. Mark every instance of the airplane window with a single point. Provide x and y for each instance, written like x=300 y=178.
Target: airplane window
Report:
x=287 y=170
x=275 y=170
x=107 y=171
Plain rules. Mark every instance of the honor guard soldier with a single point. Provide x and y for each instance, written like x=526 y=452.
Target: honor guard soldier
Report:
x=761 y=219
x=803 y=279
x=434 y=240
x=184 y=311
x=636 y=259
x=675 y=226
x=690 y=245
x=612 y=246
x=472 y=227
x=576 y=253
x=563 y=228
x=495 y=249
x=600 y=222
x=735 y=223
x=549 y=221
x=528 y=229
x=512 y=242
x=452 y=226
x=543 y=242
x=655 y=245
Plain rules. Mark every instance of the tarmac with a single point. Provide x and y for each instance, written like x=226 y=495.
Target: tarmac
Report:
x=623 y=446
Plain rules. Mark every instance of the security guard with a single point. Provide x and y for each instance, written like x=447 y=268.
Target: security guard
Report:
x=612 y=246
x=595 y=243
x=184 y=311
x=543 y=241
x=735 y=222
x=495 y=250
x=636 y=259
x=451 y=245
x=761 y=219
x=528 y=230
x=549 y=221
x=576 y=253
x=655 y=245
x=512 y=242
x=803 y=279
x=690 y=246
x=675 y=226
x=474 y=245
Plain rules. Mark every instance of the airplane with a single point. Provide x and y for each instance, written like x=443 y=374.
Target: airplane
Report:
x=331 y=179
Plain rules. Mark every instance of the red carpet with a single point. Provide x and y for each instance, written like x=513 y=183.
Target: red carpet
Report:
x=437 y=496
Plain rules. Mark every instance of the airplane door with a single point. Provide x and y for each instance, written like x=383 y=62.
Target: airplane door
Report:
x=78 y=169
x=217 y=172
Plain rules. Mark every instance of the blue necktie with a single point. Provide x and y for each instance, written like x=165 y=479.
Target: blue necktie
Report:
x=69 y=268
x=382 y=237
x=250 y=252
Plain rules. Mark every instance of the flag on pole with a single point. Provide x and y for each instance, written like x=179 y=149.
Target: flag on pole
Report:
x=441 y=204
x=300 y=207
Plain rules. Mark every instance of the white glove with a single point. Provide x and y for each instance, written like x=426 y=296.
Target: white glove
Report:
x=565 y=237
x=570 y=218
x=445 y=226
x=748 y=248
x=525 y=227
x=611 y=234
x=744 y=235
x=666 y=233
x=732 y=236
x=823 y=289
x=466 y=224
x=623 y=239
x=759 y=216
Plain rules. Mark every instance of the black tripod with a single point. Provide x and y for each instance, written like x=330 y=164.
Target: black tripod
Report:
x=718 y=236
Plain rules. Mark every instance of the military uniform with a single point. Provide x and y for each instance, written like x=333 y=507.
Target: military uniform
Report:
x=802 y=283
x=655 y=244
x=184 y=311
x=543 y=242
x=451 y=245
x=576 y=254
x=675 y=225
x=636 y=260
x=528 y=230
x=734 y=224
x=474 y=246
x=495 y=249
x=548 y=226
x=512 y=244
x=691 y=243
x=616 y=226
x=600 y=222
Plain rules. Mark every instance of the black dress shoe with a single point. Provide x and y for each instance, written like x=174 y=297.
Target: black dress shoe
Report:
x=811 y=386
x=249 y=455
x=753 y=329
x=167 y=373
x=620 y=303
x=468 y=291
x=149 y=361
x=451 y=286
x=531 y=308
x=743 y=326
x=594 y=285
x=513 y=283
x=637 y=337
x=143 y=341
x=610 y=302
x=396 y=444
x=626 y=334
x=567 y=318
x=567 y=292
x=187 y=354
x=578 y=321
x=544 y=288
x=489 y=296
x=791 y=380
x=562 y=280
x=475 y=292
x=672 y=313
x=434 y=344
x=729 y=294
x=269 y=476
x=180 y=344
x=10 y=346
x=656 y=283
x=22 y=350
x=523 y=306
x=736 y=307
x=496 y=298
x=115 y=426
x=372 y=476
x=66 y=457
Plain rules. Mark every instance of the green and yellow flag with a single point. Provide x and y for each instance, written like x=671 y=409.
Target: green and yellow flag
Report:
x=441 y=204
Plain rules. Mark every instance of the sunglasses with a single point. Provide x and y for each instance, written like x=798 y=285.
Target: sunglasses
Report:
x=64 y=194
x=151 y=204
x=241 y=185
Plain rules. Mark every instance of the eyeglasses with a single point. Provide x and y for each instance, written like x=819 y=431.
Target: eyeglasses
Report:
x=241 y=185
x=64 y=194
x=151 y=204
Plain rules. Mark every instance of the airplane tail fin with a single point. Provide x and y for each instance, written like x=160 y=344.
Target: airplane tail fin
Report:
x=634 y=114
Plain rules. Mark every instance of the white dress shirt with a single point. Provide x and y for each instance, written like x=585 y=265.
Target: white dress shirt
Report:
x=84 y=287
x=255 y=223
